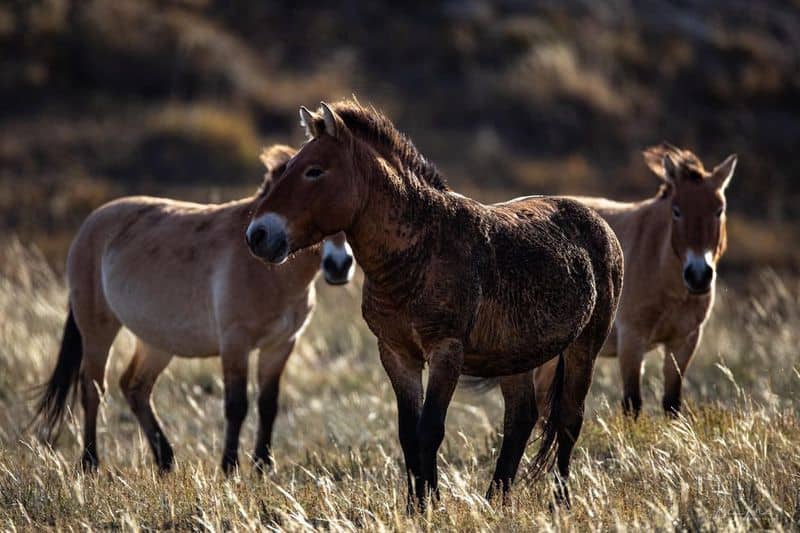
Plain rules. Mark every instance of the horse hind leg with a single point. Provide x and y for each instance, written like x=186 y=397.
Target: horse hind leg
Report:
x=518 y=421
x=578 y=361
x=137 y=385
x=98 y=330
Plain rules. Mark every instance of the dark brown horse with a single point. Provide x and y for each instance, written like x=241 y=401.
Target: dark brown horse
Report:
x=463 y=287
x=179 y=276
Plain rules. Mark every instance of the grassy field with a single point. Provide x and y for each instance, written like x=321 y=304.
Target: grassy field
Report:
x=733 y=462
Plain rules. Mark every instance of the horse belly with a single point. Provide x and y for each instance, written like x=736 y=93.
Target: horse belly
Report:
x=502 y=343
x=491 y=365
x=174 y=315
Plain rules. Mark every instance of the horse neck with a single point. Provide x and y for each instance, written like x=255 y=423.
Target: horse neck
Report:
x=388 y=232
x=667 y=265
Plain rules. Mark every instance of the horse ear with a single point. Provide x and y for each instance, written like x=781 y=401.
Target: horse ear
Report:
x=670 y=168
x=309 y=121
x=656 y=158
x=275 y=158
x=334 y=126
x=722 y=173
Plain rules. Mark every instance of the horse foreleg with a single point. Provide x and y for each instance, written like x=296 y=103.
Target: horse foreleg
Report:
x=678 y=354
x=270 y=368
x=137 y=385
x=234 y=372
x=405 y=374
x=631 y=348
x=520 y=417
x=445 y=360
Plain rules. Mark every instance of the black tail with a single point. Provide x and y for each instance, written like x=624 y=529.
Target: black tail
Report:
x=545 y=456
x=59 y=392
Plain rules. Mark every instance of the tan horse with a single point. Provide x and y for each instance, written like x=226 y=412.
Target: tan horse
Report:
x=180 y=277
x=460 y=286
x=672 y=244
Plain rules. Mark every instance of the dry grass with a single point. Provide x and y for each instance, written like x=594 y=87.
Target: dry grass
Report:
x=732 y=464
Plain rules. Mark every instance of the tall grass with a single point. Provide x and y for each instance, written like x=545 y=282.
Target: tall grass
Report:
x=732 y=463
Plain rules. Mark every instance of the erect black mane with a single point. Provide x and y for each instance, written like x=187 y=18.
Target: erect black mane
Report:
x=372 y=126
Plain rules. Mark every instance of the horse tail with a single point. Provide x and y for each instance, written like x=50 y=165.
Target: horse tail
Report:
x=59 y=391
x=544 y=458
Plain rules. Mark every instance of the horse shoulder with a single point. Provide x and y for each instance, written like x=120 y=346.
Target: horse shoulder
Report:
x=450 y=295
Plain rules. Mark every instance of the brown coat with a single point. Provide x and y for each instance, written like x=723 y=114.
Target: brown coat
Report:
x=450 y=283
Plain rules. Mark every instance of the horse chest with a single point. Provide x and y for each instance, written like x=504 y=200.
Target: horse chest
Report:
x=281 y=321
x=391 y=324
x=396 y=332
x=283 y=327
x=677 y=319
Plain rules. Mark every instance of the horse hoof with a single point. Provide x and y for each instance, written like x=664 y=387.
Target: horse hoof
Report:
x=230 y=466
x=561 y=499
x=263 y=466
x=411 y=508
x=164 y=469
x=632 y=409
x=671 y=409
x=89 y=463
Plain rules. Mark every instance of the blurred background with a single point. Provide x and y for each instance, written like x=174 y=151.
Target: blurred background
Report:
x=103 y=98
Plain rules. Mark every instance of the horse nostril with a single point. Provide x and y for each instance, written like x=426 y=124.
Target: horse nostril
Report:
x=708 y=274
x=348 y=262
x=256 y=237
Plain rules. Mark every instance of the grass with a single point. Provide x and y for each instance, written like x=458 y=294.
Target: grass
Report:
x=732 y=463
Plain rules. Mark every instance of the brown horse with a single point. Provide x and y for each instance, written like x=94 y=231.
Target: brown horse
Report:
x=672 y=245
x=460 y=286
x=180 y=277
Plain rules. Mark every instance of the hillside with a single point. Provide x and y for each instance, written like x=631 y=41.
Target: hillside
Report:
x=110 y=97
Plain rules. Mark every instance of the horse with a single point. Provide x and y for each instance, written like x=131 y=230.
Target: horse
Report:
x=466 y=288
x=672 y=244
x=180 y=277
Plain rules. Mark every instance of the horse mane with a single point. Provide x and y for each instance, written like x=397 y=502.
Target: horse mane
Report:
x=689 y=166
x=375 y=128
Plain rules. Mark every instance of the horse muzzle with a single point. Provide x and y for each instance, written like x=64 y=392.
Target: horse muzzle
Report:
x=337 y=265
x=267 y=238
x=698 y=273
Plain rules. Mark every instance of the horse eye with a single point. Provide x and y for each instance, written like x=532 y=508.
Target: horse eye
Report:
x=314 y=172
x=676 y=212
x=720 y=211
